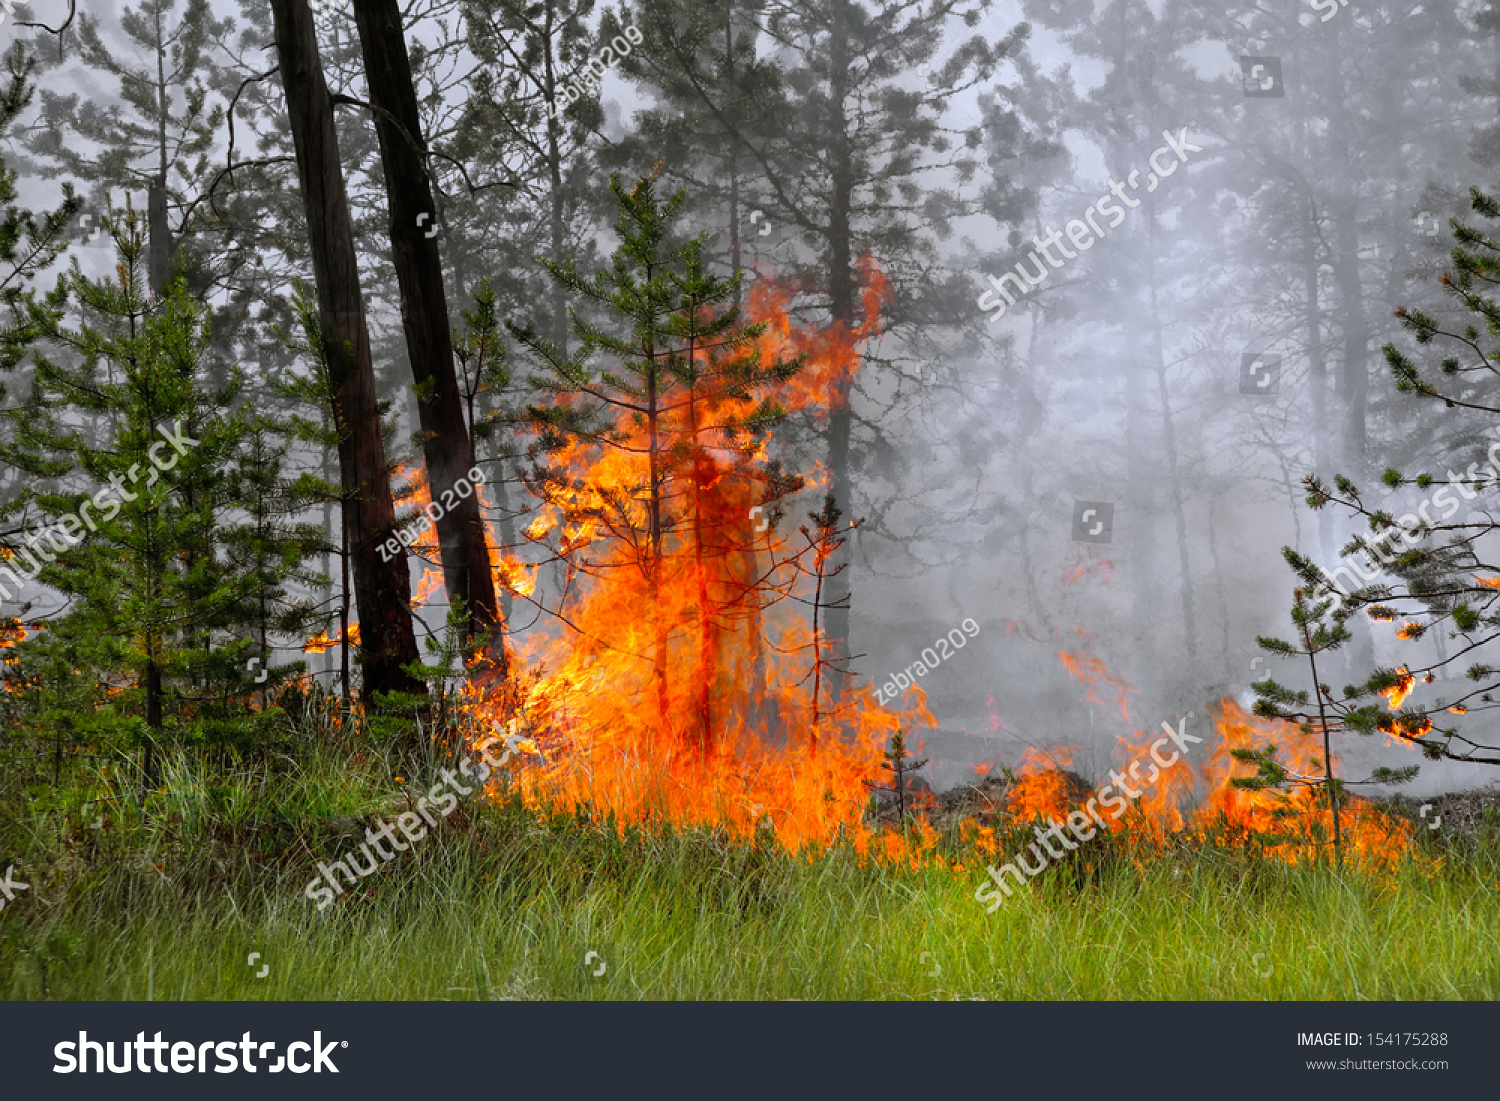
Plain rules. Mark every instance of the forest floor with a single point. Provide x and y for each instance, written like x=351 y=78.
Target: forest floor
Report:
x=167 y=900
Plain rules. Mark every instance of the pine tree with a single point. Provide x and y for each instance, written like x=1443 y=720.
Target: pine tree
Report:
x=313 y=421
x=154 y=133
x=824 y=542
x=1320 y=622
x=1426 y=568
x=270 y=547
x=846 y=159
x=492 y=412
x=29 y=244
x=531 y=117
x=154 y=603
x=901 y=766
x=382 y=586
x=690 y=380
x=463 y=548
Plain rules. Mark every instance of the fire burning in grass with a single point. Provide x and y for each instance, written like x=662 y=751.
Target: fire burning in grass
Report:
x=1198 y=799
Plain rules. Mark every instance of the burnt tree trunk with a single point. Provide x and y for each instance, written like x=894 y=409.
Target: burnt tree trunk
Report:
x=446 y=445
x=382 y=589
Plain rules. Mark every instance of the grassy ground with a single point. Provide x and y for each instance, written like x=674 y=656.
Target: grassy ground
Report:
x=169 y=900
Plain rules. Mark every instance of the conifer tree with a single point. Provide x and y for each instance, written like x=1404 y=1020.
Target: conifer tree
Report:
x=839 y=152
x=690 y=379
x=824 y=541
x=269 y=546
x=1427 y=568
x=533 y=111
x=900 y=766
x=314 y=422
x=129 y=529
x=383 y=587
x=154 y=133
x=1321 y=626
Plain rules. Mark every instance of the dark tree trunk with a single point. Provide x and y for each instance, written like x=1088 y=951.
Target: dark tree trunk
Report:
x=841 y=289
x=446 y=445
x=382 y=590
x=160 y=269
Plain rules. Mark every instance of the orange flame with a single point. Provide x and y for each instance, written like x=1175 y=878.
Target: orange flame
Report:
x=322 y=643
x=1195 y=796
x=1041 y=789
x=680 y=677
x=1396 y=694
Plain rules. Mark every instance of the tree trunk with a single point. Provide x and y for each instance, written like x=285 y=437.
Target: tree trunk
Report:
x=841 y=289
x=551 y=85
x=159 y=270
x=160 y=264
x=382 y=589
x=1354 y=382
x=446 y=445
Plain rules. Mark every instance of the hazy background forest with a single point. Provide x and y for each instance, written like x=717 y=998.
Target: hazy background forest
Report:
x=817 y=142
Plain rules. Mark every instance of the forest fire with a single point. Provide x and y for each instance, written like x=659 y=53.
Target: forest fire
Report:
x=682 y=673
x=322 y=642
x=686 y=676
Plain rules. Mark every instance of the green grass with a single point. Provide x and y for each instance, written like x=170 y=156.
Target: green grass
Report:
x=504 y=903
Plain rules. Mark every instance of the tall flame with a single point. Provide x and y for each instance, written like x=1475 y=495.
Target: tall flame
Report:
x=681 y=677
